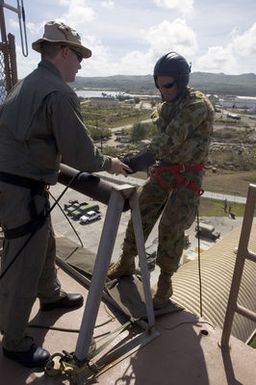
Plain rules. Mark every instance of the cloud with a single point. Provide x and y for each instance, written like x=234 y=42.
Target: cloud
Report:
x=34 y=28
x=137 y=62
x=135 y=51
x=159 y=39
x=175 y=36
x=245 y=44
x=78 y=13
x=231 y=57
x=107 y=4
x=184 y=7
x=25 y=66
x=100 y=63
x=217 y=59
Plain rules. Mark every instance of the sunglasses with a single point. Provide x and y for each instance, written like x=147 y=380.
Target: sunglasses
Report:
x=78 y=55
x=167 y=85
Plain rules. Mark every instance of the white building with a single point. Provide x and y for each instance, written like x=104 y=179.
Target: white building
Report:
x=243 y=102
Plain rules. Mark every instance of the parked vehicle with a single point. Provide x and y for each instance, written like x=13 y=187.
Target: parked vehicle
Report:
x=75 y=209
x=91 y=216
x=234 y=116
x=207 y=231
x=84 y=209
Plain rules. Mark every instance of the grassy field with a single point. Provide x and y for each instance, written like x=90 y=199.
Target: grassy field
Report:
x=111 y=117
x=229 y=182
x=215 y=208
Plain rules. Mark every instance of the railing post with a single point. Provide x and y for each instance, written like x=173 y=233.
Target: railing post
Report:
x=115 y=207
x=103 y=258
x=140 y=242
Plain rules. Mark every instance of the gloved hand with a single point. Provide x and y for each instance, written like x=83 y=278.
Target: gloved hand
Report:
x=140 y=161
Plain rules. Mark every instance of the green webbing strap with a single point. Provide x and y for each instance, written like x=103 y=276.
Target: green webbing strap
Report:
x=113 y=335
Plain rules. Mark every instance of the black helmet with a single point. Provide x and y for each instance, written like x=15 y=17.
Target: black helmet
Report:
x=173 y=64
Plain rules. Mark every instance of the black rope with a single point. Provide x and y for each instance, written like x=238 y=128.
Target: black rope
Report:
x=199 y=265
x=69 y=330
x=38 y=227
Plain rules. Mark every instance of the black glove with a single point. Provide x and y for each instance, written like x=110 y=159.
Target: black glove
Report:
x=140 y=161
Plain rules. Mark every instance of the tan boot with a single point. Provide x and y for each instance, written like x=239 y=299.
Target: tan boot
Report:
x=164 y=291
x=121 y=268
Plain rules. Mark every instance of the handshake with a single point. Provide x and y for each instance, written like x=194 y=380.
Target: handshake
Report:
x=140 y=161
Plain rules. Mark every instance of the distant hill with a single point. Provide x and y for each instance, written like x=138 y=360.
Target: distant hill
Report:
x=244 y=84
x=209 y=83
x=127 y=83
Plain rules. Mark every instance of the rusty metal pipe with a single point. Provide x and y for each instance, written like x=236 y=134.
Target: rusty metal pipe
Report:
x=88 y=184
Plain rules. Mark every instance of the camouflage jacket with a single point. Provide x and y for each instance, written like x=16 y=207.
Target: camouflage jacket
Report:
x=184 y=129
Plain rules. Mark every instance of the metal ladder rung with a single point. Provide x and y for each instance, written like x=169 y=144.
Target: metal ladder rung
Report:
x=242 y=254
x=246 y=312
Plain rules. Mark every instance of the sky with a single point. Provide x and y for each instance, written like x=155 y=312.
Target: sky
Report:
x=127 y=37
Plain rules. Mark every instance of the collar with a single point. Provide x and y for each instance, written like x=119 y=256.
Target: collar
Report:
x=45 y=64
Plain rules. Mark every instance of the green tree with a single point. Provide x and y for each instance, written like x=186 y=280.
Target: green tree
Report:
x=139 y=131
x=142 y=131
x=99 y=133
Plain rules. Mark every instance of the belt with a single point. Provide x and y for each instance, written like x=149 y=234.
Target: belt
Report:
x=22 y=181
x=36 y=187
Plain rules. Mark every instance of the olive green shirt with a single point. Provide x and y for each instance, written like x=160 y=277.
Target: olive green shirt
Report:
x=41 y=126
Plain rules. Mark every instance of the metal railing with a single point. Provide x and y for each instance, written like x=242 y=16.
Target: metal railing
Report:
x=118 y=199
x=8 y=68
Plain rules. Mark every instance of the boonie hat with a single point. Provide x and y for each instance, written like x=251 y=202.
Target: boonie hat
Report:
x=55 y=32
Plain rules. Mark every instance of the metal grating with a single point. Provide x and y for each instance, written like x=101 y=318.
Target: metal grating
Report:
x=8 y=67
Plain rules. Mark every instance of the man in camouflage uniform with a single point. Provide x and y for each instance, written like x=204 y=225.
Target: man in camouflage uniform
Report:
x=184 y=120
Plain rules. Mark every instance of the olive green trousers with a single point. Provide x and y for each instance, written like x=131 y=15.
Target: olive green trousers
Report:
x=33 y=274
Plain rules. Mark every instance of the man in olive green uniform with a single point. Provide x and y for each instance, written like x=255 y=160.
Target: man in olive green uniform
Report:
x=184 y=120
x=40 y=125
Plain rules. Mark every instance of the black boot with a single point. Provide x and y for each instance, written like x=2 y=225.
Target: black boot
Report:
x=69 y=302
x=34 y=357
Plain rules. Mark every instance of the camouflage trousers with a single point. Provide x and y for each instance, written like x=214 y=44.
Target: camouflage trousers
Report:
x=178 y=210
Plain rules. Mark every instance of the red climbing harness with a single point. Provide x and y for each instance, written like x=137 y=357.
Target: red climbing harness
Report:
x=176 y=171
